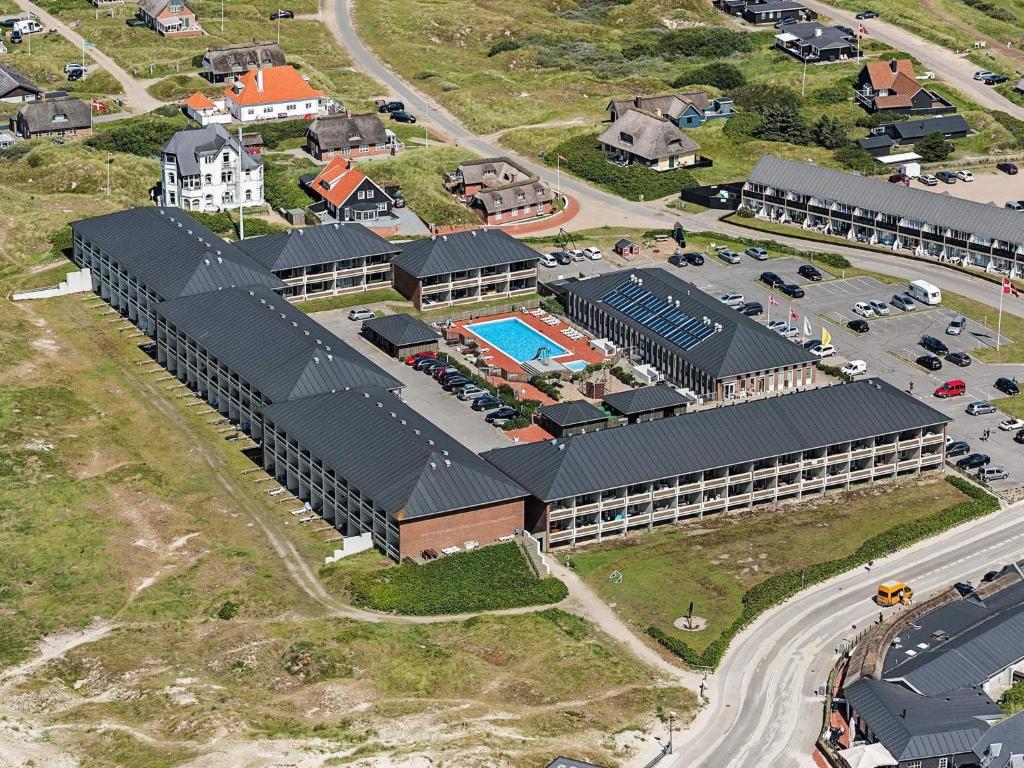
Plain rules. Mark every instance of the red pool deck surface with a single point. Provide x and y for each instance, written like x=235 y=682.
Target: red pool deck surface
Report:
x=530 y=434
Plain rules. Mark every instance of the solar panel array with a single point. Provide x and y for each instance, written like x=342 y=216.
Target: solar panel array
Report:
x=658 y=315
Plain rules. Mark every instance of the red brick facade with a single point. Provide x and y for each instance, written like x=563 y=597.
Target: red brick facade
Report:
x=483 y=524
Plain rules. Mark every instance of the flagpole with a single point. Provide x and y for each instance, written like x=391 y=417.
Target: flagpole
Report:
x=558 y=173
x=769 y=308
x=999 y=323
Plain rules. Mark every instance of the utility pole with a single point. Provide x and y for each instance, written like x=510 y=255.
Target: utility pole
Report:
x=222 y=16
x=110 y=159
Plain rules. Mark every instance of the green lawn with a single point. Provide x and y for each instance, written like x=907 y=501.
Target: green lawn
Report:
x=1011 y=406
x=350 y=300
x=420 y=175
x=1012 y=327
x=714 y=562
x=45 y=65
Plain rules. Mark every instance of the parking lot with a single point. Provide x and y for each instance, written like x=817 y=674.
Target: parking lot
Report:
x=987 y=187
x=889 y=348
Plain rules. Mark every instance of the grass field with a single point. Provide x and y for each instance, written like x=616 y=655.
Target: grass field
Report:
x=1011 y=406
x=712 y=563
x=350 y=300
x=45 y=65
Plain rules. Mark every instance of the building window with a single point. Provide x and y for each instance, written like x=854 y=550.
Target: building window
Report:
x=171 y=199
x=292 y=107
x=170 y=178
x=268 y=109
x=915 y=764
x=943 y=762
x=248 y=195
x=226 y=158
x=361 y=195
x=364 y=148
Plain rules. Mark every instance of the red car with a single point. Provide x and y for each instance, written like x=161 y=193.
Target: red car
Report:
x=411 y=359
x=952 y=388
x=899 y=178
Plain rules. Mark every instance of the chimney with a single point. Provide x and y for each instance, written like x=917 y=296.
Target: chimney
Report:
x=893 y=65
x=259 y=79
x=817 y=31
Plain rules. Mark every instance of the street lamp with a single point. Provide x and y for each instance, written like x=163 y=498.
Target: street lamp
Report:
x=671 y=718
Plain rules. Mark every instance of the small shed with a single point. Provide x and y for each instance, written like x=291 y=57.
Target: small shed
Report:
x=401 y=335
x=253 y=143
x=626 y=248
x=6 y=139
x=571 y=418
x=648 y=403
x=1019 y=86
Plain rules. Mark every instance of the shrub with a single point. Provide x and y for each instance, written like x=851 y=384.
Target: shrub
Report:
x=856 y=158
x=873 y=120
x=274 y=132
x=780 y=587
x=837 y=92
x=228 y=611
x=505 y=44
x=219 y=223
x=830 y=132
x=783 y=122
x=625 y=377
x=745 y=212
x=834 y=371
x=758 y=98
x=933 y=148
x=486 y=579
x=645 y=49
x=142 y=136
x=1012 y=124
x=544 y=385
x=255 y=227
x=706 y=42
x=719 y=74
x=742 y=125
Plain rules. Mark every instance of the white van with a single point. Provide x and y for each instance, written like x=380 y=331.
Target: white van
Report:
x=854 y=368
x=28 y=26
x=924 y=292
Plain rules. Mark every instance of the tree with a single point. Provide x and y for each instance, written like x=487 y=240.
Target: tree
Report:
x=783 y=122
x=742 y=125
x=759 y=97
x=719 y=74
x=933 y=148
x=856 y=158
x=830 y=132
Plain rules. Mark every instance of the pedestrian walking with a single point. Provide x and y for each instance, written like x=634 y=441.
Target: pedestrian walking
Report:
x=910 y=387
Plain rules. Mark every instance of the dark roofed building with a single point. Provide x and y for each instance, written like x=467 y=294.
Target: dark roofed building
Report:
x=16 y=87
x=228 y=62
x=722 y=459
x=891 y=86
x=1002 y=746
x=774 y=11
x=324 y=260
x=692 y=338
x=200 y=171
x=354 y=136
x=245 y=348
x=62 y=116
x=382 y=468
x=572 y=417
x=500 y=190
x=685 y=110
x=465 y=267
x=815 y=42
x=887 y=138
x=401 y=335
x=141 y=256
x=649 y=139
x=648 y=403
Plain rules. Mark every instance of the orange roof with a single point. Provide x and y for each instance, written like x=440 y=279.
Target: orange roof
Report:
x=883 y=76
x=337 y=181
x=199 y=101
x=904 y=84
x=279 y=84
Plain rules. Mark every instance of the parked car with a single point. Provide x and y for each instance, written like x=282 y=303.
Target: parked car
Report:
x=592 y=253
x=866 y=15
x=934 y=345
x=903 y=301
x=951 y=388
x=401 y=116
x=501 y=415
x=980 y=408
x=547 y=260
x=411 y=359
x=981 y=74
x=995 y=79
x=562 y=258
x=17 y=37
x=1008 y=168
x=391 y=106
x=456 y=382
x=9 y=23
x=930 y=362
x=992 y=472
x=928 y=180
x=1019 y=436
x=772 y=280
x=472 y=392
x=76 y=74
x=284 y=13
x=397 y=199
x=858 y=326
x=678 y=260
x=946 y=177
x=973 y=461
x=811 y=343
x=854 y=368
x=845 y=30
x=990 y=576
x=696 y=259
x=361 y=313
x=900 y=178
x=792 y=290
x=1014 y=205
x=964 y=588
x=487 y=403
x=961 y=359
x=576 y=254
x=775 y=325
x=728 y=256
x=957 y=448
x=863 y=309
x=750 y=308
x=1007 y=386
x=731 y=299
x=760 y=254
x=821 y=351
x=809 y=272
x=439 y=371
x=424 y=362
x=1008 y=425
x=787 y=331
x=878 y=307
x=956 y=325
x=965 y=175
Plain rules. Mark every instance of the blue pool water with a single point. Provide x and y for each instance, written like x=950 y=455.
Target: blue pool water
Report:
x=576 y=365
x=515 y=338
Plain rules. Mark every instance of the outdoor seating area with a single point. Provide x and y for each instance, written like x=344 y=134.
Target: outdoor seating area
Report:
x=573 y=334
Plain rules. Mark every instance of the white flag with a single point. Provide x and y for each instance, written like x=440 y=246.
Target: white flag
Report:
x=807 y=326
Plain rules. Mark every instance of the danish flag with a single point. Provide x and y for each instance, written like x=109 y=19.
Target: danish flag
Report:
x=772 y=301
x=1010 y=288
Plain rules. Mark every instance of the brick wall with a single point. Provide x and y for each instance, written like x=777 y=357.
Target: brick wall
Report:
x=483 y=524
x=407 y=285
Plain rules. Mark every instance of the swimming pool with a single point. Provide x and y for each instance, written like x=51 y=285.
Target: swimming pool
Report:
x=512 y=337
x=576 y=365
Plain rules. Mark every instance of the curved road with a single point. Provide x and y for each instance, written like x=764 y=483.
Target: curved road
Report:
x=763 y=709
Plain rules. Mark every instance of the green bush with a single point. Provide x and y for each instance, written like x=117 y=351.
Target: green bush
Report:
x=281 y=184
x=1012 y=699
x=873 y=120
x=584 y=158
x=228 y=611
x=783 y=122
x=505 y=44
x=486 y=579
x=718 y=73
x=705 y=42
x=830 y=132
x=255 y=227
x=62 y=241
x=544 y=385
x=836 y=93
x=143 y=136
x=933 y=148
x=758 y=98
x=856 y=158
x=625 y=377
x=276 y=131
x=1012 y=124
x=743 y=125
x=782 y=586
x=219 y=223
x=833 y=370
x=745 y=212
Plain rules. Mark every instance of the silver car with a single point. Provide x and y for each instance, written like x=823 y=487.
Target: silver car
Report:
x=903 y=301
x=729 y=257
x=731 y=299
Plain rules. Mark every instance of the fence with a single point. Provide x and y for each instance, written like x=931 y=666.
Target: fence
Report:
x=475 y=312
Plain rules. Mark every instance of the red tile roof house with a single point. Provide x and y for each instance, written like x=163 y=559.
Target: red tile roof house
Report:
x=348 y=194
x=269 y=93
x=500 y=191
x=205 y=110
x=355 y=136
x=171 y=18
x=890 y=86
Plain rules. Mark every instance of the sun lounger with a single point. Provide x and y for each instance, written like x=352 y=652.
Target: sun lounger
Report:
x=277 y=491
x=450 y=550
x=309 y=519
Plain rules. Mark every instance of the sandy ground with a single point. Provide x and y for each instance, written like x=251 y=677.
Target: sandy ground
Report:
x=991 y=187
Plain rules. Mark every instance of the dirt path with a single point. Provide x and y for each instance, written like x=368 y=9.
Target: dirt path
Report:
x=53 y=647
x=566 y=123
x=973 y=34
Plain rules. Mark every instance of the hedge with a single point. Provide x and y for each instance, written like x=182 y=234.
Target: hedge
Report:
x=544 y=384
x=834 y=260
x=782 y=586
x=274 y=132
x=486 y=579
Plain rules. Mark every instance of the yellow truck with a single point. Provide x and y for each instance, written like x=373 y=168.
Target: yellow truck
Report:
x=893 y=593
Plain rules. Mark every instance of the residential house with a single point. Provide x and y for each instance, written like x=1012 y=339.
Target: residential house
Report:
x=253 y=142
x=59 y=116
x=684 y=110
x=16 y=87
x=813 y=42
x=171 y=18
x=603 y=484
x=7 y=140
x=774 y=11
x=465 y=267
x=890 y=138
x=205 y=110
x=327 y=260
x=354 y=136
x=500 y=190
x=890 y=86
x=649 y=139
x=348 y=194
x=231 y=61
x=873 y=211
x=267 y=93
x=206 y=169
x=626 y=248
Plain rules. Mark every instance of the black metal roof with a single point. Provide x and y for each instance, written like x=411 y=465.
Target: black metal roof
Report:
x=717 y=437
x=392 y=454
x=1010 y=735
x=281 y=351
x=315 y=245
x=171 y=253
x=573 y=413
x=402 y=330
x=741 y=346
x=646 y=400
x=918 y=129
x=441 y=254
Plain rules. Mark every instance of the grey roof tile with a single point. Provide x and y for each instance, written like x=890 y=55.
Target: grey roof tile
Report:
x=336 y=131
x=646 y=399
x=192 y=144
x=402 y=329
x=315 y=245
x=11 y=78
x=232 y=59
x=441 y=254
x=573 y=413
x=651 y=137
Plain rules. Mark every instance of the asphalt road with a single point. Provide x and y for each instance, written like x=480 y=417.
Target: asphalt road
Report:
x=763 y=707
